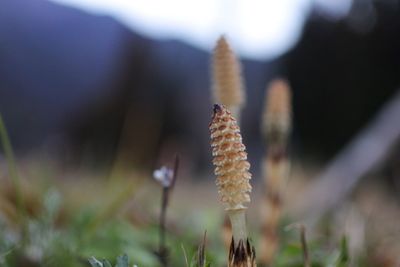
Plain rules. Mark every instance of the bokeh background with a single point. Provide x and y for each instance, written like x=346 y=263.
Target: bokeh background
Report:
x=96 y=84
x=92 y=80
x=110 y=87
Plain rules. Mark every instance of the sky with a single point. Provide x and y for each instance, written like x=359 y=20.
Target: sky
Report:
x=257 y=29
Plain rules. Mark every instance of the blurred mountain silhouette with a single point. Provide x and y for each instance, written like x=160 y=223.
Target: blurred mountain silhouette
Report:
x=92 y=88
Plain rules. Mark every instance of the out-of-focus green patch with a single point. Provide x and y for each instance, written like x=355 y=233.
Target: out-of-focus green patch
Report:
x=291 y=255
x=122 y=261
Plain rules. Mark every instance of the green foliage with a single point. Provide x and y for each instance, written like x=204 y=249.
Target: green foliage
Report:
x=71 y=244
x=122 y=261
x=48 y=244
x=340 y=257
x=291 y=254
x=42 y=241
x=12 y=171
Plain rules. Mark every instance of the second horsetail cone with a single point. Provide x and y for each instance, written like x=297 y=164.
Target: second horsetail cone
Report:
x=227 y=77
x=277 y=114
x=229 y=159
x=227 y=80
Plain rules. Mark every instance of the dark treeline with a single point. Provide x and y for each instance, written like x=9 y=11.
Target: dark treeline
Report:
x=90 y=88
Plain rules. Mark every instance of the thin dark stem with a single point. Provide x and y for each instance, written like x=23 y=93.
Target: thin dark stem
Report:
x=164 y=204
x=201 y=257
x=303 y=240
x=176 y=167
x=162 y=251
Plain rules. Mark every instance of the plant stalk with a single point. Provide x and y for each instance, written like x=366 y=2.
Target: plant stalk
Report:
x=238 y=222
x=164 y=204
x=13 y=173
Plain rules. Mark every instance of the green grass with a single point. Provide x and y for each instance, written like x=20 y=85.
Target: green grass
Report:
x=12 y=170
x=99 y=228
x=74 y=242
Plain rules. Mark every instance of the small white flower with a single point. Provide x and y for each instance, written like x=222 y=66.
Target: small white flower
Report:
x=164 y=176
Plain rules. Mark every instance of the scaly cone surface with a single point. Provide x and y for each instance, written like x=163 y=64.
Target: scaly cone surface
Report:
x=230 y=160
x=232 y=171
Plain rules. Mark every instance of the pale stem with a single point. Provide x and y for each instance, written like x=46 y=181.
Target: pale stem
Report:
x=238 y=222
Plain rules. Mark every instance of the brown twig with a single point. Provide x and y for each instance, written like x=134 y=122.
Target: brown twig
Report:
x=304 y=246
x=162 y=250
x=303 y=241
x=201 y=257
